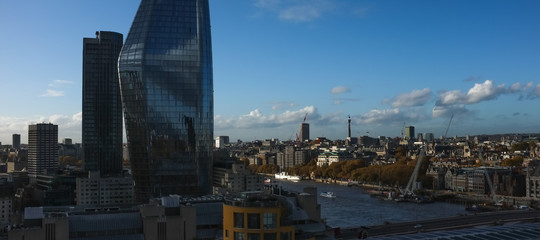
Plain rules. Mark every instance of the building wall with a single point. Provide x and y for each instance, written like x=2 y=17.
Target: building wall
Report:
x=6 y=209
x=239 y=179
x=305 y=132
x=161 y=223
x=42 y=149
x=229 y=230
x=104 y=191
x=51 y=228
x=533 y=187
x=16 y=142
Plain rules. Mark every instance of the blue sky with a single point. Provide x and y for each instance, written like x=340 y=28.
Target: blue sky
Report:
x=385 y=63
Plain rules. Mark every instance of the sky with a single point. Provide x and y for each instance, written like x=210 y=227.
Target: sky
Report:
x=387 y=64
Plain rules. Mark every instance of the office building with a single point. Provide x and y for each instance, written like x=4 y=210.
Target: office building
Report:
x=16 y=143
x=429 y=137
x=409 y=132
x=42 y=149
x=304 y=134
x=98 y=191
x=164 y=218
x=222 y=141
x=237 y=179
x=101 y=103
x=255 y=216
x=166 y=83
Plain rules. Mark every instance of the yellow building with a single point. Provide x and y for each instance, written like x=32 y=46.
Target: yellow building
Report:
x=255 y=216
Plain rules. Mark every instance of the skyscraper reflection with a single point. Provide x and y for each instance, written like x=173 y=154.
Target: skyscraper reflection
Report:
x=166 y=83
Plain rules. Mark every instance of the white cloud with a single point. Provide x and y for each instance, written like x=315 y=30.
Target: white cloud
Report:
x=478 y=93
x=56 y=83
x=484 y=91
x=68 y=126
x=296 y=10
x=516 y=87
x=340 y=89
x=389 y=116
x=415 y=98
x=528 y=86
x=446 y=111
x=300 y=13
x=536 y=91
x=257 y=119
x=52 y=93
x=283 y=105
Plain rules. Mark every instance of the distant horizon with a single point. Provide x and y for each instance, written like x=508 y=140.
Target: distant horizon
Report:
x=385 y=63
x=284 y=140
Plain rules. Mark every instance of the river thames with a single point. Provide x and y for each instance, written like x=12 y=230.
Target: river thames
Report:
x=353 y=207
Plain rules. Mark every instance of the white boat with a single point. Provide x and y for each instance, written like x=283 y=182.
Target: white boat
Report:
x=294 y=178
x=281 y=175
x=285 y=176
x=328 y=194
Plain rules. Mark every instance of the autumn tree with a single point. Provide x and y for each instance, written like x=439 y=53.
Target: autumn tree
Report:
x=515 y=161
x=521 y=146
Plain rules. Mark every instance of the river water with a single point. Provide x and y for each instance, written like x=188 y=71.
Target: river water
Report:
x=353 y=207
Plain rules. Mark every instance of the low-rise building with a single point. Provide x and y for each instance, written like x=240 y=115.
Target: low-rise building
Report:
x=327 y=158
x=533 y=180
x=255 y=215
x=95 y=190
x=239 y=179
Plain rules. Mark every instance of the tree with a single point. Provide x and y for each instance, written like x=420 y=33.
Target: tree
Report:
x=521 y=146
x=515 y=161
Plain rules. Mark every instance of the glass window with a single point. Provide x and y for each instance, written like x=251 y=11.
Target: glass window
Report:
x=285 y=236
x=239 y=236
x=254 y=236
x=270 y=220
x=239 y=220
x=254 y=221
x=270 y=236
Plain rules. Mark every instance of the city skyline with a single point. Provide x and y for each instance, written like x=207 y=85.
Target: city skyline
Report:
x=387 y=64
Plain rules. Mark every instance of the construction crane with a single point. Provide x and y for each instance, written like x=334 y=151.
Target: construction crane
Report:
x=448 y=127
x=488 y=179
x=410 y=185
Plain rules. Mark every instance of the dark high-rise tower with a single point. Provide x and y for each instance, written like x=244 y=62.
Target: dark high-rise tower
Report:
x=304 y=132
x=16 y=141
x=167 y=91
x=42 y=149
x=102 y=106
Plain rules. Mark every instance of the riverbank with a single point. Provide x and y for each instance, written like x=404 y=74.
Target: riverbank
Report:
x=467 y=199
x=353 y=206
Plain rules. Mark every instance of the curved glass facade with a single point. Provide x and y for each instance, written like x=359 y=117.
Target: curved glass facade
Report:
x=165 y=70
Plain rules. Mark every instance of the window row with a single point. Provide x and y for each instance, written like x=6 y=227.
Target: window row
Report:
x=254 y=220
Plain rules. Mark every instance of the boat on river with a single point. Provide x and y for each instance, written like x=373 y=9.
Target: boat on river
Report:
x=285 y=176
x=328 y=194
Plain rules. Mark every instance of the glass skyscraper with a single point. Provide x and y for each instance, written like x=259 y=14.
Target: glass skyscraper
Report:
x=167 y=92
x=102 y=106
